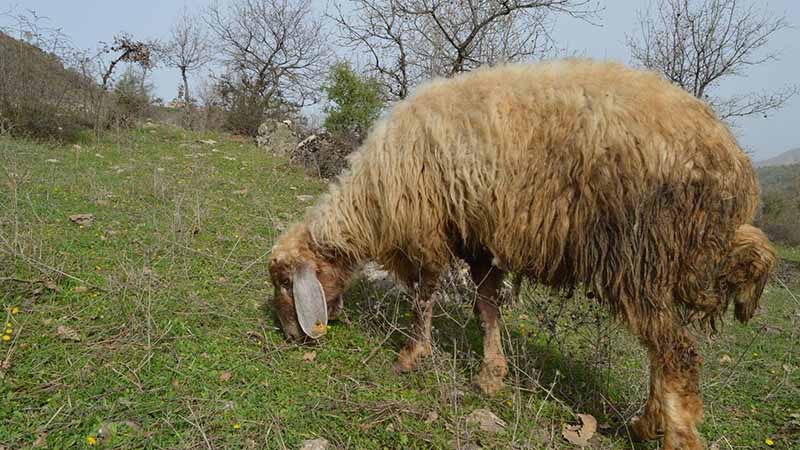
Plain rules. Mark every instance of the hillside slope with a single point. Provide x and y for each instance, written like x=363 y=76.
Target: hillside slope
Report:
x=40 y=97
x=144 y=325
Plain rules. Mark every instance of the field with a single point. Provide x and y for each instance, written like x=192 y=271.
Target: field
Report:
x=144 y=325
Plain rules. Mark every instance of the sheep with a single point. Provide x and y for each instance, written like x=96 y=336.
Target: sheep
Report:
x=571 y=172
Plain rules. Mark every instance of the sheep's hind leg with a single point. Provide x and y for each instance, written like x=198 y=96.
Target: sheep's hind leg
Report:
x=678 y=393
x=419 y=344
x=494 y=366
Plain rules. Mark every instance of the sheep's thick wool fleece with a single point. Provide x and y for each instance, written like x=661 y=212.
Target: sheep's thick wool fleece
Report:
x=570 y=171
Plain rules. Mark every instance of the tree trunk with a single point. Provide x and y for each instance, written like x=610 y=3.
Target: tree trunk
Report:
x=185 y=87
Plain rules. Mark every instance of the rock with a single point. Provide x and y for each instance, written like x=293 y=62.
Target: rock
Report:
x=276 y=136
x=67 y=333
x=315 y=444
x=431 y=417
x=83 y=220
x=323 y=154
x=378 y=277
x=486 y=420
x=306 y=141
x=580 y=434
x=304 y=198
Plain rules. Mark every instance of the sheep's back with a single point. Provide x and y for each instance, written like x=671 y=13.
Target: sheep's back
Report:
x=572 y=172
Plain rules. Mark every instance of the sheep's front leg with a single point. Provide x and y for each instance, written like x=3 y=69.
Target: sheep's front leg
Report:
x=677 y=399
x=651 y=424
x=494 y=366
x=419 y=344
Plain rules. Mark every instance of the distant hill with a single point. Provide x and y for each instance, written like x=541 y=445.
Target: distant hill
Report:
x=779 y=213
x=784 y=159
x=779 y=178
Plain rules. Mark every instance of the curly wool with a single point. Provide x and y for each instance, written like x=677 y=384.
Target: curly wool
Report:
x=569 y=171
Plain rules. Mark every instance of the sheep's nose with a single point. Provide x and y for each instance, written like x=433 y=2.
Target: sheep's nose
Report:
x=292 y=333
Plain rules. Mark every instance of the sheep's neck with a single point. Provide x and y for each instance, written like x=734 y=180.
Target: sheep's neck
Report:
x=342 y=226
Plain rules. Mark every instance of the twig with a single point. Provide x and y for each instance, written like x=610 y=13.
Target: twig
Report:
x=791 y=294
x=18 y=280
x=199 y=428
x=379 y=346
x=54 y=416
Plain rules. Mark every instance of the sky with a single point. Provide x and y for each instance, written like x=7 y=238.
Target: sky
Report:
x=89 y=21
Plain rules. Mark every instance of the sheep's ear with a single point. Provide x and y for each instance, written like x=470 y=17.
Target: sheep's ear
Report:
x=309 y=301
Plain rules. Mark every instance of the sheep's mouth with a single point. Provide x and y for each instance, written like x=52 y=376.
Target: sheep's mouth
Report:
x=335 y=307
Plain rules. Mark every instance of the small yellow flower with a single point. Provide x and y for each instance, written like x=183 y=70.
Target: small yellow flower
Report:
x=769 y=442
x=91 y=440
x=6 y=337
x=15 y=310
x=236 y=426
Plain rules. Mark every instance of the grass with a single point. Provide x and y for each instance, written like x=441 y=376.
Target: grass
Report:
x=166 y=288
x=789 y=253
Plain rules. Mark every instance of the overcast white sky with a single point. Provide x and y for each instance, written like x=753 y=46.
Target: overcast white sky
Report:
x=90 y=21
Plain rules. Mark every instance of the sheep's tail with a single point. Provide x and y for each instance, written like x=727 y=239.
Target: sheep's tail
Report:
x=747 y=268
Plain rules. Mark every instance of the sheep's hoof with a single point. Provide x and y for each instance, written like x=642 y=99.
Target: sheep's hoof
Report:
x=642 y=430
x=490 y=379
x=694 y=443
x=403 y=365
x=409 y=357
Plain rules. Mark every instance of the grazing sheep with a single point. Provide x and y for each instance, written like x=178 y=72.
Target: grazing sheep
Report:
x=571 y=172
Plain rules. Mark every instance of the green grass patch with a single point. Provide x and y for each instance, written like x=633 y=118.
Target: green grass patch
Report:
x=788 y=253
x=147 y=328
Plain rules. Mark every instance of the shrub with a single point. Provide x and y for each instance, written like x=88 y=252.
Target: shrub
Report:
x=133 y=95
x=44 y=122
x=356 y=101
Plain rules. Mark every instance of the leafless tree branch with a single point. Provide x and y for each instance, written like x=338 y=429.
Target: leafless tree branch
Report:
x=410 y=40
x=698 y=43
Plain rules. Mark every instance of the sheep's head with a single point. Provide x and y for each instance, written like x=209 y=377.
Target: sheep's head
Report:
x=308 y=285
x=747 y=269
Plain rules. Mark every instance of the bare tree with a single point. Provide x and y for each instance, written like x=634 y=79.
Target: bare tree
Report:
x=410 y=40
x=188 y=48
x=124 y=49
x=275 y=48
x=696 y=44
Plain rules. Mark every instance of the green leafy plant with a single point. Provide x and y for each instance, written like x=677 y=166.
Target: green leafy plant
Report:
x=356 y=101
